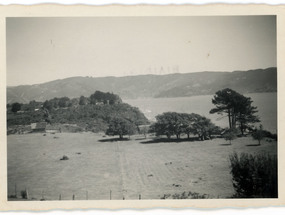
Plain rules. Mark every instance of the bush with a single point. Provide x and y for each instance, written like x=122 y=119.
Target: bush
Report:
x=268 y=134
x=254 y=176
x=64 y=157
x=230 y=134
x=185 y=195
x=24 y=194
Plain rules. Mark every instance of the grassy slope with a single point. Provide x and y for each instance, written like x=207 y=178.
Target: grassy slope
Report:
x=128 y=168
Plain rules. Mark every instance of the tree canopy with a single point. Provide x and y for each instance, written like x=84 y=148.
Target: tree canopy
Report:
x=80 y=111
x=16 y=107
x=121 y=126
x=172 y=123
x=105 y=98
x=237 y=107
x=258 y=134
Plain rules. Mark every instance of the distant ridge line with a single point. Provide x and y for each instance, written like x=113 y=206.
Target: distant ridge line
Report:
x=149 y=85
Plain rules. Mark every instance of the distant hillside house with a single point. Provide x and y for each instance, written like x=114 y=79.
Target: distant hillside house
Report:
x=39 y=127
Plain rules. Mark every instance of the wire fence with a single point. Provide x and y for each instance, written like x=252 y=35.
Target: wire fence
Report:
x=26 y=195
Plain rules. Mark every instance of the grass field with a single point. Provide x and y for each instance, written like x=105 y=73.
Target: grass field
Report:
x=128 y=168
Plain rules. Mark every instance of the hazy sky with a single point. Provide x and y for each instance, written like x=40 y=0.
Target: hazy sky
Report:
x=45 y=49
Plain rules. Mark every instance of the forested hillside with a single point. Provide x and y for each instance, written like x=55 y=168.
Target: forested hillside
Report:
x=142 y=86
x=92 y=113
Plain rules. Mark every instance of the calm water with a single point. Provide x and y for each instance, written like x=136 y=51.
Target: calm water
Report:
x=266 y=104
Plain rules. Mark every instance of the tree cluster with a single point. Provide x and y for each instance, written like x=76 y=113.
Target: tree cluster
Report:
x=121 y=126
x=105 y=98
x=172 y=123
x=97 y=98
x=106 y=112
x=84 y=111
x=237 y=107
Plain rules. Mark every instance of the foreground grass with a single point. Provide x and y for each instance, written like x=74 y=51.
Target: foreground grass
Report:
x=99 y=167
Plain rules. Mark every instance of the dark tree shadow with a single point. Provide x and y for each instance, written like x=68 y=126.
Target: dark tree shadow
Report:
x=166 y=140
x=114 y=139
x=141 y=138
x=225 y=144
x=252 y=145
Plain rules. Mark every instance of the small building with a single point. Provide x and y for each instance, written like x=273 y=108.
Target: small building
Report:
x=39 y=127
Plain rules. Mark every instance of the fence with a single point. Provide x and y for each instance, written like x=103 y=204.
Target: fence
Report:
x=26 y=195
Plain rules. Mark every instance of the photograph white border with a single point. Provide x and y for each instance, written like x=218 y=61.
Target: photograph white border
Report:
x=50 y=10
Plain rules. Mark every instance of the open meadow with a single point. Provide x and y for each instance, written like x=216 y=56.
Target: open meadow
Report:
x=100 y=167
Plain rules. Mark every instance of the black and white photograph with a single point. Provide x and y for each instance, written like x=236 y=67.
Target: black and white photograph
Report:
x=142 y=108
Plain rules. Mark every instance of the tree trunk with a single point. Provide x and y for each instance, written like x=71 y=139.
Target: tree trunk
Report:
x=242 y=129
x=121 y=136
x=188 y=135
x=177 y=136
x=229 y=115
x=233 y=118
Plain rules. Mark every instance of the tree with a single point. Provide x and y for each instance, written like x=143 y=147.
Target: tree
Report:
x=169 y=123
x=172 y=123
x=258 y=134
x=82 y=100
x=230 y=134
x=47 y=116
x=237 y=107
x=47 y=105
x=63 y=102
x=120 y=126
x=16 y=107
x=245 y=114
x=188 y=121
x=144 y=129
x=203 y=127
x=106 y=98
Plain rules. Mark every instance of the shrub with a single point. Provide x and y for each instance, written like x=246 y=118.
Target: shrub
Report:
x=24 y=194
x=258 y=134
x=254 y=176
x=64 y=157
x=268 y=134
x=185 y=195
x=230 y=134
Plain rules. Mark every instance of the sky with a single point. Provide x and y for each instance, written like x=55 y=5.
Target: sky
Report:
x=45 y=49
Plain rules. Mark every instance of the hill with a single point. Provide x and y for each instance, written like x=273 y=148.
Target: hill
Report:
x=140 y=86
x=93 y=113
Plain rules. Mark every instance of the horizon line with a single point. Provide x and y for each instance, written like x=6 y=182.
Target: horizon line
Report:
x=176 y=73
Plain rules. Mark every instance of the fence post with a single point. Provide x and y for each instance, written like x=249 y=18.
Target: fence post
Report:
x=110 y=194
x=139 y=196
x=59 y=196
x=73 y=197
x=15 y=190
x=27 y=193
